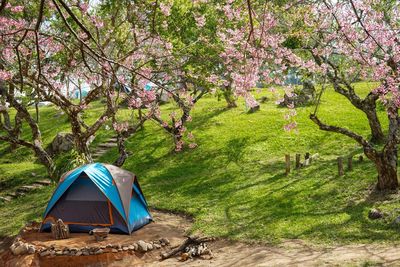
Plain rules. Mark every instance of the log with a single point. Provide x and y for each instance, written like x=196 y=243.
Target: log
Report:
x=350 y=163
x=340 y=166
x=190 y=240
x=287 y=160
x=298 y=161
x=59 y=230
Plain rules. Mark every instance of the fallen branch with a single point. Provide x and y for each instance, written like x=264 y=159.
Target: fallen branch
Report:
x=181 y=248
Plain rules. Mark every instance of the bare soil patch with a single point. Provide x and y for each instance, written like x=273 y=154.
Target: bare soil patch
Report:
x=225 y=253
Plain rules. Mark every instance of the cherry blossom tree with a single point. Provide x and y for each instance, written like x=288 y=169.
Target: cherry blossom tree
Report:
x=354 y=40
x=338 y=41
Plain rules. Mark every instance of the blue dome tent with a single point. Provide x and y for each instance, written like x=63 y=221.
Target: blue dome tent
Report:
x=98 y=195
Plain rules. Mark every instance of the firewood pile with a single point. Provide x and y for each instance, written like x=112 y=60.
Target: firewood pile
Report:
x=192 y=247
x=59 y=230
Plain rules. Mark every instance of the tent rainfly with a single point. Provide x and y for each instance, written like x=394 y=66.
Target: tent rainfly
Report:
x=98 y=195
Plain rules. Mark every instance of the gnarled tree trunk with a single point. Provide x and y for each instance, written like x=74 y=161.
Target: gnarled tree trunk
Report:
x=374 y=123
x=386 y=165
x=229 y=97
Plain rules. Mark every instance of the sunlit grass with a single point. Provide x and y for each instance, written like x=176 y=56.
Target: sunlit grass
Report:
x=233 y=183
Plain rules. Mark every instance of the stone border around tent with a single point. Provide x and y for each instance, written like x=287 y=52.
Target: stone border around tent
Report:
x=20 y=247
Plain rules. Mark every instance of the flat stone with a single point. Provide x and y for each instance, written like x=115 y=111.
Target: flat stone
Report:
x=100 y=251
x=12 y=195
x=107 y=145
x=59 y=253
x=125 y=248
x=79 y=253
x=149 y=246
x=157 y=246
x=114 y=250
x=6 y=199
x=131 y=247
x=44 y=182
x=45 y=253
x=85 y=253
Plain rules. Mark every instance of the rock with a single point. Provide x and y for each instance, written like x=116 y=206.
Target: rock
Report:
x=19 y=248
x=120 y=249
x=157 y=246
x=59 y=253
x=52 y=252
x=103 y=247
x=62 y=142
x=33 y=174
x=374 y=214
x=45 y=253
x=109 y=246
x=135 y=246
x=301 y=97
x=164 y=240
x=114 y=250
x=99 y=251
x=31 y=249
x=142 y=246
x=85 y=253
x=66 y=252
x=79 y=253
x=149 y=246
x=125 y=248
x=131 y=247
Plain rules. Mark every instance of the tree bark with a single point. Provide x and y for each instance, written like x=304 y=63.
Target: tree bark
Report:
x=386 y=165
x=374 y=124
x=229 y=97
x=385 y=160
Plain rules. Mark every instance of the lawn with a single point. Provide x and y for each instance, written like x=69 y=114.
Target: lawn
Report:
x=233 y=183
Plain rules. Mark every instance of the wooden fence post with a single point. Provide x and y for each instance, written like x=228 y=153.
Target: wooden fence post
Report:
x=340 y=166
x=350 y=163
x=287 y=160
x=298 y=161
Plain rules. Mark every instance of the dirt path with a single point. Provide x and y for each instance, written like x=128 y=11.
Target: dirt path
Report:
x=173 y=227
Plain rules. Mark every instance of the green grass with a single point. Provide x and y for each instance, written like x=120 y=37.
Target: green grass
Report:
x=233 y=183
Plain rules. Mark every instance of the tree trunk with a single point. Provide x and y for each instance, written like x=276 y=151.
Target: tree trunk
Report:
x=45 y=159
x=83 y=148
x=375 y=125
x=386 y=165
x=229 y=97
x=123 y=154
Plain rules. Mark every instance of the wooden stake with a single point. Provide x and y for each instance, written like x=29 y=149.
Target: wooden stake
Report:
x=350 y=163
x=340 y=166
x=298 y=161
x=287 y=160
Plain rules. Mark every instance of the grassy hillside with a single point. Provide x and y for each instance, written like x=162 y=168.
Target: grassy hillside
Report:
x=234 y=183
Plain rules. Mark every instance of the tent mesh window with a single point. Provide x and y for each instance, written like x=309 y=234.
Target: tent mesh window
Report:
x=83 y=203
